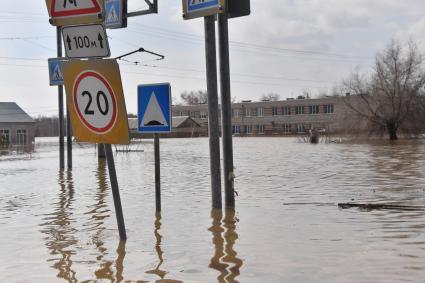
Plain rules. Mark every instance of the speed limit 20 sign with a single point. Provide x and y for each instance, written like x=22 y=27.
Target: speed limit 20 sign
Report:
x=96 y=102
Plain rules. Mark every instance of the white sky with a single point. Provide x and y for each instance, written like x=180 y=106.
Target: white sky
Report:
x=285 y=46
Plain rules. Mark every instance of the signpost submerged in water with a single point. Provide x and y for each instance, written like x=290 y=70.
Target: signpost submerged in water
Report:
x=154 y=116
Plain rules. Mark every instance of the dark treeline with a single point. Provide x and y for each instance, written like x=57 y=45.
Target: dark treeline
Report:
x=48 y=126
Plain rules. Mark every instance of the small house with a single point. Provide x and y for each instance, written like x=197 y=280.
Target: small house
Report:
x=17 y=128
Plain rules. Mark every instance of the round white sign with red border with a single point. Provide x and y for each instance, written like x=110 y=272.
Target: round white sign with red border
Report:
x=95 y=102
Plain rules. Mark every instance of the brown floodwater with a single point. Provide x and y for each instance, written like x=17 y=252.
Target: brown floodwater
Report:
x=60 y=226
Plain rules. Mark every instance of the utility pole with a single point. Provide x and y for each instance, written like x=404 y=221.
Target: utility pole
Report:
x=60 y=102
x=213 y=113
x=226 y=108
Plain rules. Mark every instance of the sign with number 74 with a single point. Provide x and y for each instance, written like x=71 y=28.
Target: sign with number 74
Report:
x=96 y=102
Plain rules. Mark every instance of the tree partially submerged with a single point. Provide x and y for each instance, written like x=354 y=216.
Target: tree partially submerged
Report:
x=389 y=95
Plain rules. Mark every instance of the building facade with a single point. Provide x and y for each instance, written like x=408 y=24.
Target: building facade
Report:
x=286 y=117
x=17 y=128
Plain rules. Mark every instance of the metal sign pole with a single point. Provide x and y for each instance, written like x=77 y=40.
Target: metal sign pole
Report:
x=60 y=98
x=213 y=120
x=68 y=139
x=226 y=108
x=115 y=191
x=157 y=173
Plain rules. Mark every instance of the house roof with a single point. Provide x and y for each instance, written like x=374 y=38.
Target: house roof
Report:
x=179 y=120
x=10 y=112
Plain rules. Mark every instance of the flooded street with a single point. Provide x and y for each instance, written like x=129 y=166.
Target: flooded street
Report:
x=287 y=227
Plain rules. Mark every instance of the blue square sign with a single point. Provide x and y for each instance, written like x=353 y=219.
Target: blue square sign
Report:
x=154 y=108
x=196 y=5
x=55 y=71
x=114 y=13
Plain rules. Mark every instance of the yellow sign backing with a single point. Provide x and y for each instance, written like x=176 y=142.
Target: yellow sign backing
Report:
x=95 y=101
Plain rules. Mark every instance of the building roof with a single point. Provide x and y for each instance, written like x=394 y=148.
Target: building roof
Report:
x=179 y=120
x=10 y=112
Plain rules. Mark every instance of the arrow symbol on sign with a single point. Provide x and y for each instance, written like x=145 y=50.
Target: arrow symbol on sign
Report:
x=100 y=38
x=69 y=42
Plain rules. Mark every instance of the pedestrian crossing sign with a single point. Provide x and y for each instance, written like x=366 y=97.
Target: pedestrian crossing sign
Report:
x=55 y=71
x=115 y=14
x=154 y=108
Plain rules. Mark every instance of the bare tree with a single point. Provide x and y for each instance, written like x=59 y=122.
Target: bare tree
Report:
x=270 y=97
x=194 y=97
x=388 y=95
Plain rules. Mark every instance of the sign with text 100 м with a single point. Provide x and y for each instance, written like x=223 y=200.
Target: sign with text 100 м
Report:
x=85 y=41
x=95 y=101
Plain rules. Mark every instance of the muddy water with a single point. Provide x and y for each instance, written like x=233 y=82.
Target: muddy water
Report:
x=60 y=226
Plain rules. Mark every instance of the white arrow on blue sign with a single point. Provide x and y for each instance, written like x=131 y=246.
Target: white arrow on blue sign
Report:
x=55 y=71
x=154 y=108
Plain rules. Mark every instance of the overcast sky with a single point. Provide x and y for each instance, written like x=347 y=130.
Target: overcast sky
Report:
x=284 y=46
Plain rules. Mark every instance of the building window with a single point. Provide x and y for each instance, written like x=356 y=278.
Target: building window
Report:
x=248 y=129
x=274 y=111
x=329 y=108
x=236 y=129
x=300 y=128
x=21 y=137
x=4 y=137
x=299 y=110
x=260 y=111
x=260 y=129
x=314 y=109
x=287 y=128
x=204 y=115
x=286 y=110
x=235 y=113
x=248 y=112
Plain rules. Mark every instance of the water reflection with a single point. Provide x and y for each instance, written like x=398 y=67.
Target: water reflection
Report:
x=225 y=259
x=59 y=231
x=98 y=215
x=159 y=252
x=106 y=270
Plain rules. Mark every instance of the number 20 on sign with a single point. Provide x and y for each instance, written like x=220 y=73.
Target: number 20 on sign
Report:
x=96 y=102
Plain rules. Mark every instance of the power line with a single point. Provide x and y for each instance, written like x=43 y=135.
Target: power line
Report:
x=181 y=69
x=247 y=44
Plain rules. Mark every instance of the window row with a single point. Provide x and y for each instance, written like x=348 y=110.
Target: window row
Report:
x=5 y=137
x=260 y=111
x=275 y=128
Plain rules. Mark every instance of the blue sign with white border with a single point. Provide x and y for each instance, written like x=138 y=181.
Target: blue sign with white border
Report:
x=114 y=13
x=200 y=8
x=55 y=71
x=196 y=5
x=154 y=108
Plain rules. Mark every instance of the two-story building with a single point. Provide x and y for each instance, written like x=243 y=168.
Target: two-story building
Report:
x=286 y=117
